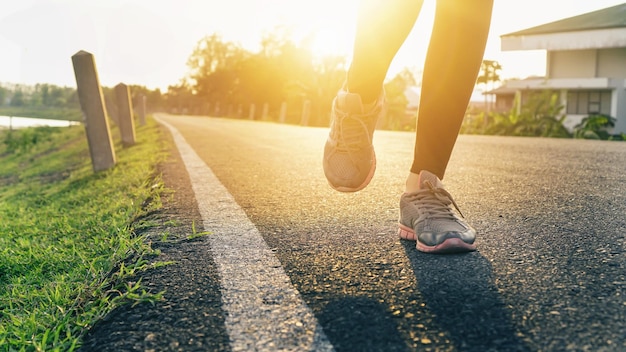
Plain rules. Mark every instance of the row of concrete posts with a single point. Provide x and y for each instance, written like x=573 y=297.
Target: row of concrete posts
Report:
x=215 y=109
x=95 y=119
x=304 y=121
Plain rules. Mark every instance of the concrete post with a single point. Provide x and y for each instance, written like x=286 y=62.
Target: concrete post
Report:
x=266 y=109
x=283 y=112
x=252 y=108
x=142 y=110
x=125 y=114
x=306 y=113
x=94 y=115
x=111 y=109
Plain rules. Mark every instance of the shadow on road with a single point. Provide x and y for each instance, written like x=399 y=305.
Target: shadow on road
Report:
x=460 y=292
x=360 y=324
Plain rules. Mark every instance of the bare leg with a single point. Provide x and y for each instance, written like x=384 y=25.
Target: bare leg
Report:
x=454 y=56
x=382 y=27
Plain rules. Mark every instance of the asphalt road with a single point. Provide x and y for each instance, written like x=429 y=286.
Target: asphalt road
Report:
x=549 y=273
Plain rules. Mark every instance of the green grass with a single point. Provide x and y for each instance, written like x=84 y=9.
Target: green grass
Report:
x=68 y=250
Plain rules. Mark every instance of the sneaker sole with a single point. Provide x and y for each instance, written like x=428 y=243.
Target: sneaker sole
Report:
x=451 y=245
x=365 y=182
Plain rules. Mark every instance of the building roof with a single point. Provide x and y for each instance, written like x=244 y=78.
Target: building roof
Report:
x=502 y=90
x=611 y=17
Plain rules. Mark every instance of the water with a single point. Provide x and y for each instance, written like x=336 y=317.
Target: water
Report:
x=22 y=122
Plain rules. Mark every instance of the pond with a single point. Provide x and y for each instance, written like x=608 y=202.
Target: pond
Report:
x=22 y=122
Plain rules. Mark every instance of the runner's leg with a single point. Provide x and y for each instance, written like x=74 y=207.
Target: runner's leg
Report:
x=382 y=27
x=454 y=57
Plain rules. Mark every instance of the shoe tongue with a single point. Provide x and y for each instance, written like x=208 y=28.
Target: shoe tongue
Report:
x=350 y=103
x=432 y=178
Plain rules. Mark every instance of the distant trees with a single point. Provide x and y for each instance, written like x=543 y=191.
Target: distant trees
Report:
x=40 y=100
x=4 y=93
x=214 y=68
x=51 y=101
x=39 y=96
x=488 y=75
x=18 y=98
x=154 y=97
x=397 y=117
x=228 y=80
x=223 y=73
x=489 y=72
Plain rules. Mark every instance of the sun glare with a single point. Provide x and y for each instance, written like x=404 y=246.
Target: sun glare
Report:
x=327 y=42
x=326 y=27
x=169 y=31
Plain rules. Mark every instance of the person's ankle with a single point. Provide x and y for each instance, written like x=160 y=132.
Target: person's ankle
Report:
x=368 y=100
x=412 y=183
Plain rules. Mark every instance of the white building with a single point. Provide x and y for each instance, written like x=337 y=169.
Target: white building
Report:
x=586 y=63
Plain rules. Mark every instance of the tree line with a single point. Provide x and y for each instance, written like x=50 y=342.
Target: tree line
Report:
x=225 y=79
x=55 y=102
x=40 y=95
x=283 y=78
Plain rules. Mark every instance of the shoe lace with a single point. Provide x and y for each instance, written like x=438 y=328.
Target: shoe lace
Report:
x=435 y=201
x=352 y=128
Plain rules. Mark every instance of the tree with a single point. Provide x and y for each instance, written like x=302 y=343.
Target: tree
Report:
x=488 y=75
x=222 y=72
x=154 y=98
x=214 y=64
x=3 y=95
x=396 y=117
x=283 y=71
x=317 y=82
x=179 y=98
x=18 y=98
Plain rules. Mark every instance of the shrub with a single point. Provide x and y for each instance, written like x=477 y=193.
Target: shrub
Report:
x=595 y=127
x=19 y=141
x=541 y=116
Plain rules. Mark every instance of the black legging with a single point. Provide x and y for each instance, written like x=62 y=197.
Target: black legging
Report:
x=452 y=63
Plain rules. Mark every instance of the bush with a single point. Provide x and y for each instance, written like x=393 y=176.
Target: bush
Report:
x=540 y=116
x=19 y=141
x=595 y=127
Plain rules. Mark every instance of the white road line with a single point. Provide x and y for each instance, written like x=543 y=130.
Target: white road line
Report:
x=264 y=312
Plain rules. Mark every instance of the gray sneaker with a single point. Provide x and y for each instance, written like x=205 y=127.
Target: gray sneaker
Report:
x=427 y=216
x=349 y=159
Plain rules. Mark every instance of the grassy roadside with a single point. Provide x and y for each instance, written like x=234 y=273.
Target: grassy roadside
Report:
x=66 y=234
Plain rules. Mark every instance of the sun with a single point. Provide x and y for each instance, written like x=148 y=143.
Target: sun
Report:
x=327 y=42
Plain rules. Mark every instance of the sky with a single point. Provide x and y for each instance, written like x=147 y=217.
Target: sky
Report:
x=148 y=42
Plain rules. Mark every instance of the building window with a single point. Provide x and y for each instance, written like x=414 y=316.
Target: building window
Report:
x=589 y=102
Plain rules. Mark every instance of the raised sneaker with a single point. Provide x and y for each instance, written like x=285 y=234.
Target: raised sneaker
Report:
x=349 y=158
